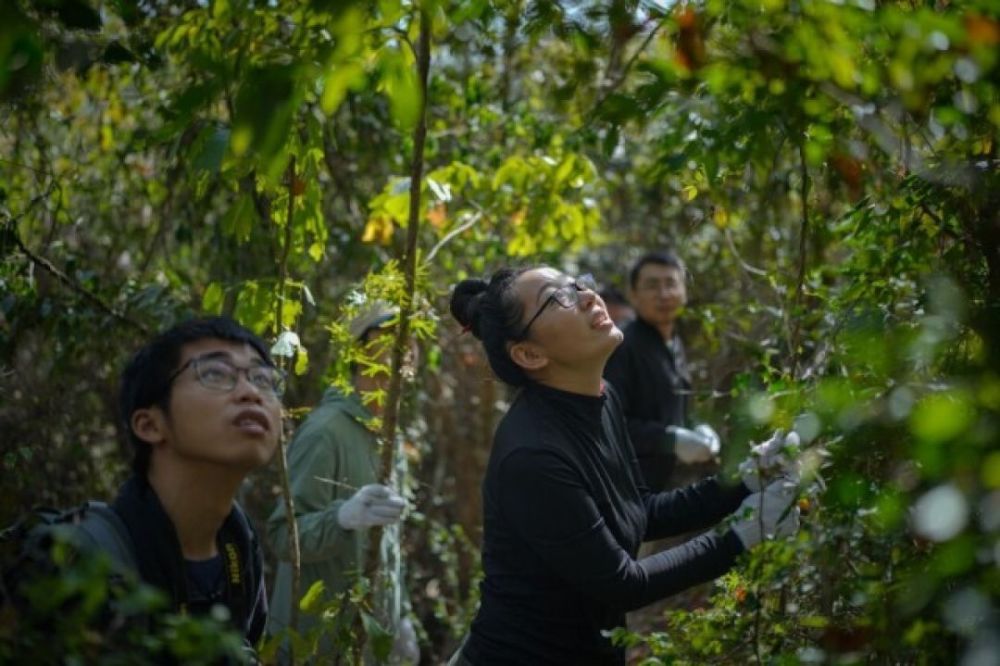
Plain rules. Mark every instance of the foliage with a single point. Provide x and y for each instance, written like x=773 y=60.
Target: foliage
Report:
x=78 y=609
x=828 y=170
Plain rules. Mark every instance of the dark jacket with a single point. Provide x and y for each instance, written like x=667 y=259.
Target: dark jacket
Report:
x=140 y=542
x=565 y=511
x=653 y=381
x=160 y=562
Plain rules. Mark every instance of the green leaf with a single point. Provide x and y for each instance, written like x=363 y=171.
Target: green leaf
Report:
x=311 y=599
x=239 y=219
x=400 y=84
x=940 y=417
x=212 y=299
x=340 y=79
x=301 y=361
x=254 y=307
x=265 y=106
x=210 y=148
x=379 y=639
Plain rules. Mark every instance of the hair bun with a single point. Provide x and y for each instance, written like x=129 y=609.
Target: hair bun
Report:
x=465 y=302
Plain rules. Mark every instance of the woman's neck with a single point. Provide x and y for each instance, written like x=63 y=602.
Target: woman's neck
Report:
x=581 y=380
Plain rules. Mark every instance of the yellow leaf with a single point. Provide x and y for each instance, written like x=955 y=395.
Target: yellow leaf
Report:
x=517 y=219
x=378 y=230
x=721 y=217
x=689 y=192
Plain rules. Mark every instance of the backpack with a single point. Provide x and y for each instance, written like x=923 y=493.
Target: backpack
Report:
x=28 y=543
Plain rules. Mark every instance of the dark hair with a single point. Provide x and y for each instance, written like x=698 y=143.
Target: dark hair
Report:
x=494 y=313
x=145 y=380
x=661 y=257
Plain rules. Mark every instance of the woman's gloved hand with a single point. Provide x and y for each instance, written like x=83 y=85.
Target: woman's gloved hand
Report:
x=771 y=460
x=768 y=514
x=372 y=505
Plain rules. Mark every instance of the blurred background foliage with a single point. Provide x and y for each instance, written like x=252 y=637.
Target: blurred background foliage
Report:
x=828 y=170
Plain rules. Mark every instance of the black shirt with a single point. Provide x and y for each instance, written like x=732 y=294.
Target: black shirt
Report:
x=565 y=511
x=204 y=581
x=652 y=378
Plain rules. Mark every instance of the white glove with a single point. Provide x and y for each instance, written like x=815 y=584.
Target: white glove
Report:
x=405 y=649
x=709 y=433
x=778 y=519
x=374 y=504
x=690 y=446
x=770 y=460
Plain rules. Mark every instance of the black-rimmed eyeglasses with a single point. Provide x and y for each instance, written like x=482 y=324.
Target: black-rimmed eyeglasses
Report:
x=219 y=374
x=566 y=296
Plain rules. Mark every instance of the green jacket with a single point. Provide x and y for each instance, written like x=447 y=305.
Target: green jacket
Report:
x=334 y=444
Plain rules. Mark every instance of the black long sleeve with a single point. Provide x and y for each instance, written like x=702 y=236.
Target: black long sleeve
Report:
x=565 y=511
x=549 y=507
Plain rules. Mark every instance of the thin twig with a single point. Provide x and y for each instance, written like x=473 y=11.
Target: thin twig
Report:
x=617 y=83
x=452 y=234
x=51 y=268
x=803 y=250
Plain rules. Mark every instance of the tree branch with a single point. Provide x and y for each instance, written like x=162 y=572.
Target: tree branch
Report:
x=51 y=268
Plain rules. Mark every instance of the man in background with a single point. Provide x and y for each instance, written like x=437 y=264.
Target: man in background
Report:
x=332 y=464
x=649 y=370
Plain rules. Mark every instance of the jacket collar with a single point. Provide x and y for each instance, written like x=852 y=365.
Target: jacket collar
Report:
x=649 y=332
x=159 y=556
x=350 y=403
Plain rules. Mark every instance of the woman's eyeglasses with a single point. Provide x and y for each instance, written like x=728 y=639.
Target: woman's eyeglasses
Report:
x=566 y=296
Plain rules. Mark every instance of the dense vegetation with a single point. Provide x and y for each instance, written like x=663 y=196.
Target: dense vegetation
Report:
x=828 y=169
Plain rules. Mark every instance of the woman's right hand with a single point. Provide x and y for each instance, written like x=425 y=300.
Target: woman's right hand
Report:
x=770 y=514
x=771 y=460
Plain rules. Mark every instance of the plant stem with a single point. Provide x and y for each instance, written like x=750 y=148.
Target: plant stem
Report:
x=294 y=551
x=391 y=416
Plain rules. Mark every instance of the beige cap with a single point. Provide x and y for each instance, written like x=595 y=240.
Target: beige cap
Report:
x=374 y=316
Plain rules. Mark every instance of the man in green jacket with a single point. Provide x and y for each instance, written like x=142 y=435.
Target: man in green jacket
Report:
x=332 y=464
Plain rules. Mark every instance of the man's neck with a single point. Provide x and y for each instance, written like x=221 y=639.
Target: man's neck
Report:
x=197 y=499
x=665 y=329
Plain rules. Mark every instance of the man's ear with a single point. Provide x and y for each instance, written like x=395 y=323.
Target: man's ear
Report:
x=149 y=424
x=528 y=355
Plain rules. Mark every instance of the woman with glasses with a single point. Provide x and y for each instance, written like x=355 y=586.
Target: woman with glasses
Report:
x=565 y=507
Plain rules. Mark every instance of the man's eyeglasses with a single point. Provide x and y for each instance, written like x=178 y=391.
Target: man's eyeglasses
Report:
x=219 y=374
x=566 y=296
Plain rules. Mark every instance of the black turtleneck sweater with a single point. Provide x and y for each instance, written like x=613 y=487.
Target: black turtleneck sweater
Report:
x=565 y=511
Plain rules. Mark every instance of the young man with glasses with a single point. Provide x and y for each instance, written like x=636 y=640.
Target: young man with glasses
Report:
x=649 y=371
x=201 y=407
